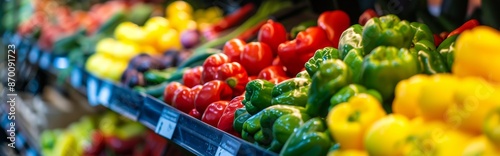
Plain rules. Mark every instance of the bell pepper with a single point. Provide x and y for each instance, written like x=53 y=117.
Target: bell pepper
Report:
x=347 y=152
x=192 y=77
x=170 y=90
x=471 y=24
x=255 y=57
x=367 y=15
x=312 y=138
x=349 y=121
x=344 y=94
x=212 y=91
x=422 y=32
x=447 y=50
x=354 y=59
x=407 y=96
x=383 y=64
x=273 y=34
x=474 y=51
x=291 y=92
x=258 y=95
x=233 y=49
x=234 y=75
x=211 y=67
x=351 y=38
x=184 y=98
x=331 y=76
x=271 y=72
x=303 y=74
x=273 y=126
x=214 y=112
x=301 y=27
x=387 y=30
x=195 y=114
x=319 y=57
x=334 y=23
x=226 y=121
x=293 y=54
x=385 y=136
x=240 y=117
x=480 y=145
x=491 y=126
x=278 y=80
x=430 y=60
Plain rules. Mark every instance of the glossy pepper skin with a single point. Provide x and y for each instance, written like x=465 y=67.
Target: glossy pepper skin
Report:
x=192 y=77
x=385 y=67
x=430 y=60
x=303 y=74
x=184 y=98
x=226 y=121
x=319 y=57
x=233 y=49
x=312 y=138
x=273 y=34
x=271 y=72
x=354 y=59
x=258 y=95
x=212 y=91
x=344 y=94
x=349 y=121
x=234 y=75
x=293 y=91
x=447 y=50
x=255 y=57
x=211 y=66
x=214 y=112
x=170 y=91
x=334 y=23
x=272 y=127
x=331 y=76
x=387 y=30
x=351 y=38
x=240 y=116
x=421 y=32
x=293 y=54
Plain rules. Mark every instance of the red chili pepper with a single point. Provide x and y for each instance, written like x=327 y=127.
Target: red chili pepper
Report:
x=214 y=112
x=437 y=40
x=466 y=26
x=233 y=48
x=184 y=99
x=235 y=76
x=212 y=91
x=273 y=34
x=251 y=32
x=192 y=77
x=295 y=53
x=226 y=121
x=367 y=15
x=334 y=23
x=279 y=79
x=271 y=72
x=170 y=90
x=255 y=57
x=231 y=20
x=194 y=113
x=211 y=66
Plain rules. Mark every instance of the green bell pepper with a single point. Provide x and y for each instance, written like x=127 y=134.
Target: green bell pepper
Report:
x=386 y=66
x=331 y=76
x=271 y=127
x=430 y=60
x=258 y=95
x=422 y=32
x=447 y=50
x=312 y=138
x=319 y=57
x=291 y=92
x=354 y=59
x=350 y=39
x=240 y=116
x=349 y=91
x=303 y=74
x=387 y=30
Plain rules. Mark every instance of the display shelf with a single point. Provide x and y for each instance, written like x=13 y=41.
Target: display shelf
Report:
x=182 y=129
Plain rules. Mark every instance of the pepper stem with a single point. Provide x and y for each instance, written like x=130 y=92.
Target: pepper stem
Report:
x=232 y=82
x=354 y=116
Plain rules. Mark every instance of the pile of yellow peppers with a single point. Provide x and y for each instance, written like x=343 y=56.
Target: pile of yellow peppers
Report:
x=443 y=114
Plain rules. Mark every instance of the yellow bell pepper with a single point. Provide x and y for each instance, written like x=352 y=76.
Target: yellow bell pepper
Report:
x=105 y=46
x=491 y=127
x=348 y=121
x=178 y=6
x=169 y=40
x=154 y=28
x=387 y=135
x=348 y=152
x=98 y=64
x=477 y=54
x=436 y=96
x=407 y=95
x=481 y=146
x=130 y=32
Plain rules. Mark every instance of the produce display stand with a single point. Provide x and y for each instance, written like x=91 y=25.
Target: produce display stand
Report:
x=182 y=129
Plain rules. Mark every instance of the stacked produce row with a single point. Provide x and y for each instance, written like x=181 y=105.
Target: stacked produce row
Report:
x=381 y=86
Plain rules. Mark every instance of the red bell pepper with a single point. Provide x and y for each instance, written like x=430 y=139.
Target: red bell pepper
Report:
x=194 y=113
x=192 y=77
x=273 y=34
x=235 y=76
x=233 y=48
x=334 y=23
x=255 y=57
x=170 y=90
x=251 y=78
x=214 y=112
x=184 y=99
x=367 y=15
x=295 y=53
x=211 y=66
x=277 y=62
x=278 y=79
x=212 y=91
x=466 y=26
x=271 y=72
x=226 y=121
